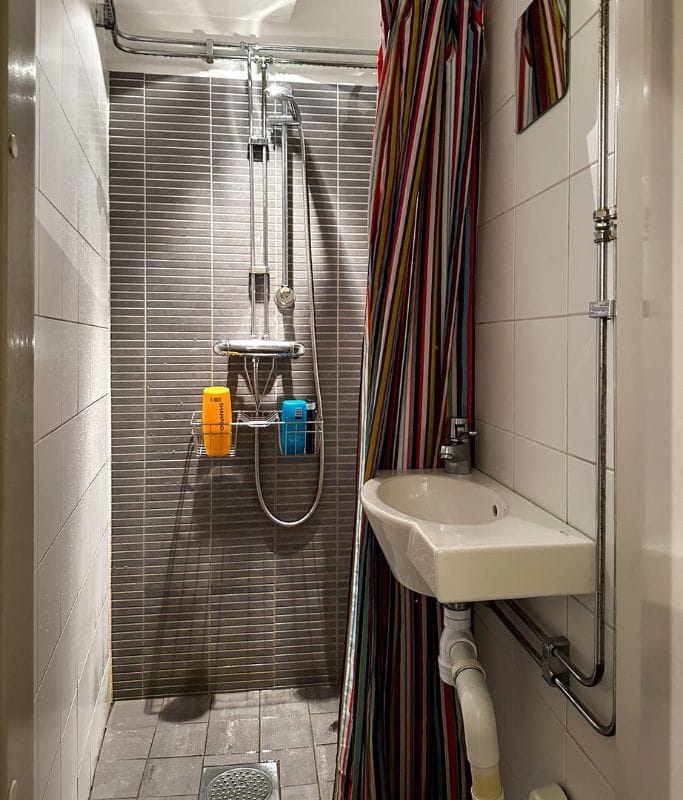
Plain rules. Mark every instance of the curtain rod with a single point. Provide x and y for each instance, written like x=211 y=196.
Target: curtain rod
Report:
x=210 y=50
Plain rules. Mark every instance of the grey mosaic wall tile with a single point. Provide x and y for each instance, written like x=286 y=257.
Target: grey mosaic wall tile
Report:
x=208 y=595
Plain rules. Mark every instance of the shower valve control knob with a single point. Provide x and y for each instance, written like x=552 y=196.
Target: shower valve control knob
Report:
x=285 y=297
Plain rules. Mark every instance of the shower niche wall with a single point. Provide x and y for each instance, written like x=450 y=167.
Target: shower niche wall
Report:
x=207 y=593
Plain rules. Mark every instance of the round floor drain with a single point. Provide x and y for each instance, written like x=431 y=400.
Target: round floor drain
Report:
x=243 y=783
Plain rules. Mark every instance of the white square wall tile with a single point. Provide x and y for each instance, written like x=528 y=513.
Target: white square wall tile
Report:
x=493 y=353
x=50 y=126
x=493 y=452
x=47 y=612
x=583 y=96
x=543 y=152
x=541 y=254
x=539 y=756
x=494 y=272
x=498 y=77
x=70 y=274
x=49 y=258
x=540 y=392
x=583 y=778
x=50 y=18
x=47 y=409
x=47 y=462
x=541 y=475
x=47 y=725
x=581 y=389
x=581 y=12
x=70 y=64
x=498 y=167
x=69 y=390
x=70 y=153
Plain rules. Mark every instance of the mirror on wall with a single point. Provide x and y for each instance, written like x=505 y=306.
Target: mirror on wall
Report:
x=542 y=59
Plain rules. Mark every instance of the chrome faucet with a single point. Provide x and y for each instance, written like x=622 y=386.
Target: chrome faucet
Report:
x=456 y=451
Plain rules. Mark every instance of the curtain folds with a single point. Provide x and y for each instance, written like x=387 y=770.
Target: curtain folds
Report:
x=398 y=729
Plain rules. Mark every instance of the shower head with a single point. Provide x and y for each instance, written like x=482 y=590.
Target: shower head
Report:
x=280 y=91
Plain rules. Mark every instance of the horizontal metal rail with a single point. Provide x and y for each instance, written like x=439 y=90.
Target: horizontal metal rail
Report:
x=211 y=50
x=555 y=679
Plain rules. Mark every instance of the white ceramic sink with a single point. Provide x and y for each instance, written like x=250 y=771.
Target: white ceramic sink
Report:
x=466 y=538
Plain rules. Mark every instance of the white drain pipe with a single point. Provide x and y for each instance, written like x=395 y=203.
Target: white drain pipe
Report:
x=459 y=667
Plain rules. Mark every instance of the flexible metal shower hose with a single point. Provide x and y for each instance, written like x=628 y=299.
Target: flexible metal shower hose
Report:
x=316 y=375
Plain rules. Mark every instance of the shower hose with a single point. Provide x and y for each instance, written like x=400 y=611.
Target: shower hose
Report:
x=316 y=374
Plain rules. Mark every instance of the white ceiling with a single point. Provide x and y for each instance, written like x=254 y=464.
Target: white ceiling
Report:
x=340 y=23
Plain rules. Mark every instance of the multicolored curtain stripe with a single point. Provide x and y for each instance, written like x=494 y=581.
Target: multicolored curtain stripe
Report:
x=541 y=59
x=399 y=737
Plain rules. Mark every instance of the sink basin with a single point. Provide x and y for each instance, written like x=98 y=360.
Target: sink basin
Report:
x=464 y=538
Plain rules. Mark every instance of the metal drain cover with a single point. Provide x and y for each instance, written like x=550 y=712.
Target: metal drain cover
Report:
x=241 y=782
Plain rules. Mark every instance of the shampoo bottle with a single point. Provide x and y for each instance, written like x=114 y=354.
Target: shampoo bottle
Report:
x=217 y=420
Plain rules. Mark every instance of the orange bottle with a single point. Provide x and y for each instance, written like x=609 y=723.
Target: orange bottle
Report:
x=217 y=420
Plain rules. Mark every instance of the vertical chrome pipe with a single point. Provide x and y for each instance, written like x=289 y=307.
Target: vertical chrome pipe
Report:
x=602 y=334
x=252 y=216
x=603 y=313
x=285 y=197
x=264 y=192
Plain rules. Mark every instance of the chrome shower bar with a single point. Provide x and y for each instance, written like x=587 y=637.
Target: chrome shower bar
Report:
x=211 y=50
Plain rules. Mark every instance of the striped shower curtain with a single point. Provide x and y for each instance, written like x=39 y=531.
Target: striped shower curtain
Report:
x=399 y=737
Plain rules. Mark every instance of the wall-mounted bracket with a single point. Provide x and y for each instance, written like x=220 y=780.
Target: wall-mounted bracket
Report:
x=551 y=666
x=602 y=309
x=104 y=16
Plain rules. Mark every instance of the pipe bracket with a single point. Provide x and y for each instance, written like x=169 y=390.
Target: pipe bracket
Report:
x=602 y=309
x=551 y=666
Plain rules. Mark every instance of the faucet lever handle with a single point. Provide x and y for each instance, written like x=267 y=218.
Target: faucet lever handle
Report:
x=460 y=426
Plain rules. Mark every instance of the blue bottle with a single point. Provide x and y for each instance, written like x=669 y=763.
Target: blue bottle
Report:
x=293 y=427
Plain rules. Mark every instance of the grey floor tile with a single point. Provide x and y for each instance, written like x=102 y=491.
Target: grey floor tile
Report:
x=126 y=744
x=321 y=728
x=232 y=736
x=235 y=705
x=276 y=696
x=322 y=699
x=117 y=779
x=132 y=714
x=173 y=739
x=188 y=708
x=297 y=766
x=325 y=758
x=282 y=733
x=170 y=777
x=177 y=797
x=309 y=792
x=229 y=760
x=326 y=790
x=295 y=708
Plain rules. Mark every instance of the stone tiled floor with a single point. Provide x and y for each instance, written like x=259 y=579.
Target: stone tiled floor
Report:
x=157 y=748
